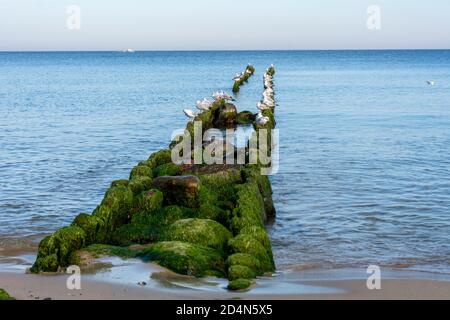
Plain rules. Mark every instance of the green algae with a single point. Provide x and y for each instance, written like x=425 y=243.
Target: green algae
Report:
x=186 y=258
x=55 y=250
x=240 y=284
x=247 y=260
x=5 y=296
x=245 y=243
x=168 y=169
x=240 y=272
x=203 y=232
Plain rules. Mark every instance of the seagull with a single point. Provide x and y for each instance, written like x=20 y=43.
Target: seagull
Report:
x=262 y=106
x=189 y=113
x=226 y=96
x=204 y=105
x=262 y=121
x=259 y=116
x=431 y=82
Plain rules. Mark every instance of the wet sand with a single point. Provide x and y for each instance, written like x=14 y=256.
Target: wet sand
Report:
x=33 y=287
x=124 y=280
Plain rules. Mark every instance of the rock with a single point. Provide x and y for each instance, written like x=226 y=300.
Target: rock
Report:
x=240 y=272
x=91 y=225
x=240 y=284
x=159 y=158
x=141 y=171
x=168 y=169
x=148 y=201
x=186 y=258
x=203 y=232
x=180 y=190
x=139 y=184
x=245 y=117
x=55 y=250
x=5 y=296
x=247 y=260
x=249 y=209
x=245 y=243
x=227 y=116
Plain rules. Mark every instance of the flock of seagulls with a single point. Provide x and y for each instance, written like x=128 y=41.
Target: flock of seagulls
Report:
x=205 y=104
x=268 y=101
x=240 y=77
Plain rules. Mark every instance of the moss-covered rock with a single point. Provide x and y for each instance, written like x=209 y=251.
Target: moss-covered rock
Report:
x=115 y=210
x=135 y=234
x=253 y=173
x=162 y=217
x=227 y=117
x=203 y=232
x=92 y=226
x=120 y=183
x=245 y=243
x=55 y=250
x=249 y=210
x=186 y=258
x=240 y=284
x=148 y=201
x=159 y=158
x=4 y=295
x=240 y=272
x=261 y=235
x=168 y=169
x=245 y=117
x=139 y=184
x=108 y=250
x=141 y=171
x=180 y=190
x=247 y=260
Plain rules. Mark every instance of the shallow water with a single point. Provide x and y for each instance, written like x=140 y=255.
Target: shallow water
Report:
x=365 y=165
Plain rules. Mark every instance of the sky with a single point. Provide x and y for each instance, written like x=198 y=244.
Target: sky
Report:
x=46 y=25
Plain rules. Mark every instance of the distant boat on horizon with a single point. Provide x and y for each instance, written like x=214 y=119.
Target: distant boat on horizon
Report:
x=128 y=51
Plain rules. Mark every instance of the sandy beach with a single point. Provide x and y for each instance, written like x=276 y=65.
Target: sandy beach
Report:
x=121 y=281
x=32 y=287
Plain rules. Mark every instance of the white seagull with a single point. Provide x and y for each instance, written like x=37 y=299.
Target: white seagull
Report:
x=189 y=113
x=431 y=83
x=262 y=121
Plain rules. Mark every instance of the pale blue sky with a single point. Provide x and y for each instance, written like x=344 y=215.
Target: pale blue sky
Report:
x=223 y=24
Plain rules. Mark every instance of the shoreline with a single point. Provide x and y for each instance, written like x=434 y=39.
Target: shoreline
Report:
x=120 y=281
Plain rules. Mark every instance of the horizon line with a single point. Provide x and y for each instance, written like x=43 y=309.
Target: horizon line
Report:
x=223 y=50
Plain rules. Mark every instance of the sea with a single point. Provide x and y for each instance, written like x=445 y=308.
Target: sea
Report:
x=364 y=173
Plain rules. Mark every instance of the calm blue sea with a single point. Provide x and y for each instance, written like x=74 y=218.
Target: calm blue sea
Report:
x=365 y=144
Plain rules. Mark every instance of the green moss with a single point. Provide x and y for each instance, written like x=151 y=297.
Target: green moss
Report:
x=220 y=186
x=55 y=250
x=240 y=284
x=203 y=232
x=162 y=217
x=247 y=260
x=107 y=250
x=135 y=234
x=180 y=190
x=115 y=210
x=185 y=258
x=253 y=173
x=261 y=235
x=141 y=171
x=168 y=169
x=245 y=117
x=148 y=200
x=91 y=225
x=245 y=243
x=249 y=209
x=159 y=158
x=4 y=295
x=119 y=183
x=240 y=272
x=139 y=184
